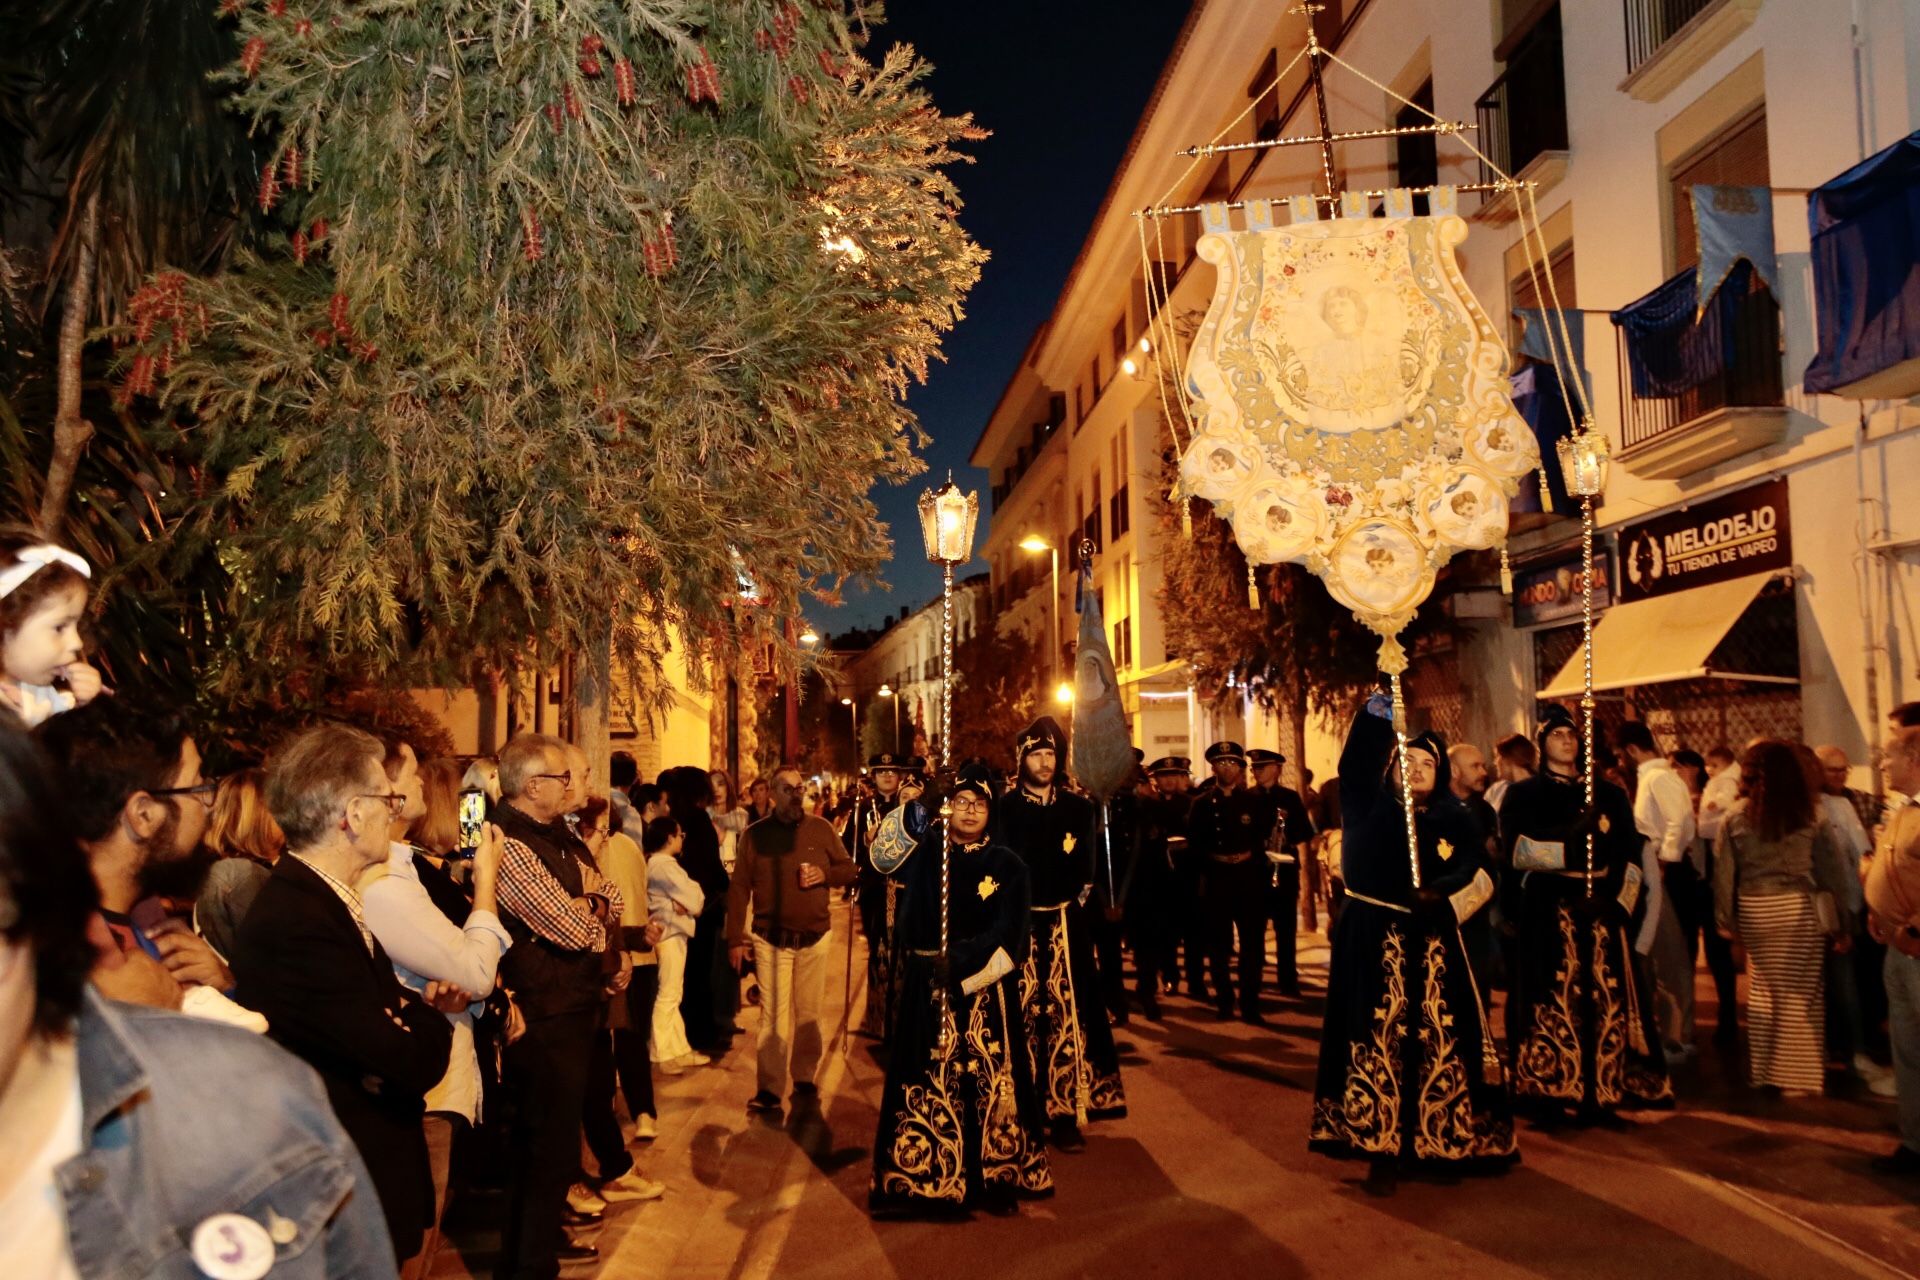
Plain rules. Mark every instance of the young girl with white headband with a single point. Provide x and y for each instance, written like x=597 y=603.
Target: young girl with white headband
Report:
x=43 y=592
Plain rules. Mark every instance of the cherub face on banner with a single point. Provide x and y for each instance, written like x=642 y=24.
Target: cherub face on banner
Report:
x=1379 y=568
x=1504 y=444
x=1273 y=525
x=1470 y=512
x=1214 y=467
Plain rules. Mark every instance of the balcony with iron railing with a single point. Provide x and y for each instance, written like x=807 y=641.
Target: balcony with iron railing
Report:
x=1522 y=117
x=1739 y=407
x=1668 y=40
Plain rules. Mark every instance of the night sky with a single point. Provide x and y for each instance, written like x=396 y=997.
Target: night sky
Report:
x=1061 y=83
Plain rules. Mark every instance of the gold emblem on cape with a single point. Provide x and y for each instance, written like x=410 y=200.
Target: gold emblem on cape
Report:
x=987 y=887
x=1067 y=842
x=1605 y=825
x=1446 y=850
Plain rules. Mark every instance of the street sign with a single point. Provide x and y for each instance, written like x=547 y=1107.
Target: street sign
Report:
x=1548 y=591
x=1725 y=537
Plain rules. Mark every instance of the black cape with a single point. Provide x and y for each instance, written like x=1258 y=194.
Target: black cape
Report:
x=1581 y=1029
x=953 y=1129
x=1408 y=1065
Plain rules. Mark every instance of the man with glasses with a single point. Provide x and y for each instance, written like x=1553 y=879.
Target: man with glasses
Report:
x=307 y=959
x=787 y=864
x=557 y=908
x=131 y=784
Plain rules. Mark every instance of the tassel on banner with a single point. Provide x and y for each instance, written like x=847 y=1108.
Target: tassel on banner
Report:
x=1186 y=519
x=1253 y=589
x=1506 y=574
x=1546 y=492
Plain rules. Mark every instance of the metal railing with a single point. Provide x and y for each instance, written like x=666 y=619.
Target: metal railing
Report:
x=1751 y=379
x=1651 y=23
x=1524 y=112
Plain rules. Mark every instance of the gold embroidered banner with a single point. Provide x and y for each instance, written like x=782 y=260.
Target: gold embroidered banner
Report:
x=1354 y=408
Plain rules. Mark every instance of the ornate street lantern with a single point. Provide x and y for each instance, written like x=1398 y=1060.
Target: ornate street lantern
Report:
x=947 y=517
x=1584 y=460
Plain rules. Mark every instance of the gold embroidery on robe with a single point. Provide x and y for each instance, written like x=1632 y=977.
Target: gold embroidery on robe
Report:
x=1447 y=1124
x=1548 y=1062
x=926 y=1151
x=1053 y=1046
x=1008 y=1154
x=1609 y=1025
x=1367 y=1114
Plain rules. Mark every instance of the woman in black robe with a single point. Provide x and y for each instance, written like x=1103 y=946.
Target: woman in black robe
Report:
x=1409 y=1069
x=965 y=1127
x=712 y=992
x=1581 y=1028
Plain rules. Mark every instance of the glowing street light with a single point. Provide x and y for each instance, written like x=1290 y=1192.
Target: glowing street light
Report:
x=1064 y=694
x=809 y=636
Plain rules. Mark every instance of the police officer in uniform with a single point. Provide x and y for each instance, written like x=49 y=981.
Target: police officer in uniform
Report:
x=1149 y=888
x=1227 y=836
x=1287 y=849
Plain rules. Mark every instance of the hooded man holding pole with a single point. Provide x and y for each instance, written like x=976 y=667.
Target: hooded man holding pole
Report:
x=1069 y=1040
x=960 y=1119
x=1409 y=1071
x=1582 y=1028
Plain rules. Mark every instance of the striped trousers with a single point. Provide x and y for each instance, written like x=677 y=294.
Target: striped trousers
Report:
x=1786 y=995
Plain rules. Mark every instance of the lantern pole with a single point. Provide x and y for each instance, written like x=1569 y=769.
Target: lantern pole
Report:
x=1583 y=465
x=946 y=525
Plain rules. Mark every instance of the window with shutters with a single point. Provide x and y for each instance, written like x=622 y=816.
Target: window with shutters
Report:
x=1737 y=157
x=1265 y=96
x=1530 y=290
x=1119 y=339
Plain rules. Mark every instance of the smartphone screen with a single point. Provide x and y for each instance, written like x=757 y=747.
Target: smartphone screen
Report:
x=473 y=816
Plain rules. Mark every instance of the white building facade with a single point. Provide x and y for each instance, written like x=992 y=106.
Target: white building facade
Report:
x=1614 y=109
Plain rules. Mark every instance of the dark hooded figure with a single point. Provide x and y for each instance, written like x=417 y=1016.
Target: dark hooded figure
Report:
x=1068 y=1036
x=1409 y=1069
x=961 y=1123
x=1581 y=1028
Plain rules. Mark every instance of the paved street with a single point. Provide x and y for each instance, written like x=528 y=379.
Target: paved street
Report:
x=1209 y=1176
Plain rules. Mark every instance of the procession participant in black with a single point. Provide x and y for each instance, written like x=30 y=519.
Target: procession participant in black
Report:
x=1408 y=1066
x=1227 y=837
x=961 y=1122
x=1106 y=911
x=1581 y=1028
x=1287 y=841
x=886 y=771
x=1149 y=888
x=1074 y=1060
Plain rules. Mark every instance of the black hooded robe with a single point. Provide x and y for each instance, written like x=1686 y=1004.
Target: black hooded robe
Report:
x=1069 y=1038
x=953 y=1129
x=1582 y=1031
x=1408 y=1064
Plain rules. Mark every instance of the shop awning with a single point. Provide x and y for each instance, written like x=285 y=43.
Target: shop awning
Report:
x=1665 y=638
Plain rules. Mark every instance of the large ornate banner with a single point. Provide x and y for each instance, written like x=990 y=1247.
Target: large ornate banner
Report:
x=1355 y=411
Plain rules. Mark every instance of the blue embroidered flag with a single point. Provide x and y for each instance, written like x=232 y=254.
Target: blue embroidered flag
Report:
x=1735 y=224
x=1673 y=344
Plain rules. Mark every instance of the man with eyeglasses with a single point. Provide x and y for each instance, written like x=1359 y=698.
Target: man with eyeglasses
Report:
x=131 y=784
x=307 y=959
x=558 y=909
x=788 y=864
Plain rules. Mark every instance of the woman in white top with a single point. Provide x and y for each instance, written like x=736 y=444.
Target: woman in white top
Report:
x=426 y=946
x=674 y=901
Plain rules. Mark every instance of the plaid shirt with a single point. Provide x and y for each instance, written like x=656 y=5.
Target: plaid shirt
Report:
x=346 y=895
x=529 y=891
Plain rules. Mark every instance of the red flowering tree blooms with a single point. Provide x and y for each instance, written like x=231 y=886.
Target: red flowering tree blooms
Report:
x=576 y=308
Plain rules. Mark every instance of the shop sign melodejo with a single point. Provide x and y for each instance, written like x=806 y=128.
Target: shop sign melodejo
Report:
x=1549 y=591
x=1729 y=536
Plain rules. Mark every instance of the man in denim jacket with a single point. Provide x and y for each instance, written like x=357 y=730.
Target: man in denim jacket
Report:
x=136 y=1142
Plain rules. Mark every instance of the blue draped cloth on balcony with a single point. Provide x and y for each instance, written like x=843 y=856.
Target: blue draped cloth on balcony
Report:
x=1537 y=398
x=1866 y=276
x=1669 y=352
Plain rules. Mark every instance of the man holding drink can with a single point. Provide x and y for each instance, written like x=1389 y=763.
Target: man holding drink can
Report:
x=787 y=864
